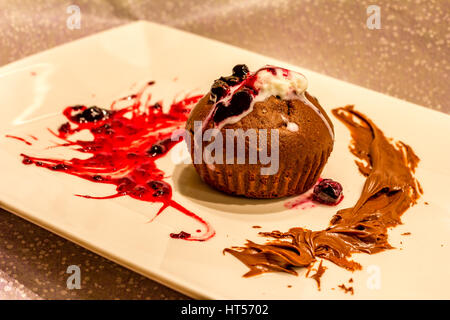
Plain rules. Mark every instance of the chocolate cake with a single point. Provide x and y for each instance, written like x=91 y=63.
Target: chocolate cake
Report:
x=272 y=102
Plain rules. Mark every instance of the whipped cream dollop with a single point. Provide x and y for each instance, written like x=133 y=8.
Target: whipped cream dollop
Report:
x=235 y=96
x=279 y=82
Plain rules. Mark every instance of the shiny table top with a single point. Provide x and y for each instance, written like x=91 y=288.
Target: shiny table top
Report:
x=408 y=57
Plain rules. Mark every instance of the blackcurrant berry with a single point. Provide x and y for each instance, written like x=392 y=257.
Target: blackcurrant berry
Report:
x=327 y=191
x=92 y=114
x=240 y=71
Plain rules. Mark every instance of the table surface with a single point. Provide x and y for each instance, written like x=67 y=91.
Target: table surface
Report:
x=407 y=58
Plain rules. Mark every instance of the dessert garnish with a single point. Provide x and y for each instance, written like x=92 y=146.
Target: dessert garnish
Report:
x=346 y=289
x=234 y=96
x=325 y=192
x=126 y=143
x=180 y=235
x=328 y=192
x=318 y=274
x=91 y=114
x=390 y=189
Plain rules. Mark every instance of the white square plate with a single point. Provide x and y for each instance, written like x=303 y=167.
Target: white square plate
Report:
x=100 y=68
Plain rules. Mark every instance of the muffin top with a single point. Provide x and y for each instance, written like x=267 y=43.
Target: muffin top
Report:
x=270 y=98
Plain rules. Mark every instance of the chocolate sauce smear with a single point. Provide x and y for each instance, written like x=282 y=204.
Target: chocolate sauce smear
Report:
x=390 y=189
x=319 y=273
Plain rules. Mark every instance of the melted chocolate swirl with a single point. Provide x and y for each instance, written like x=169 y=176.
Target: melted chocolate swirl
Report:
x=390 y=189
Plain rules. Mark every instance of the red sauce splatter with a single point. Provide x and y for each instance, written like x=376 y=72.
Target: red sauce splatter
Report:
x=303 y=201
x=18 y=138
x=126 y=143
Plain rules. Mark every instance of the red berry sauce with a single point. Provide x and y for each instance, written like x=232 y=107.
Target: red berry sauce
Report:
x=19 y=138
x=126 y=143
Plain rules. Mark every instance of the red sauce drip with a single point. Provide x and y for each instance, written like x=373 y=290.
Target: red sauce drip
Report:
x=18 y=138
x=124 y=149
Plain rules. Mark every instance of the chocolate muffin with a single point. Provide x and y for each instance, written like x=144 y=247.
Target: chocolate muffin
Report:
x=276 y=120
